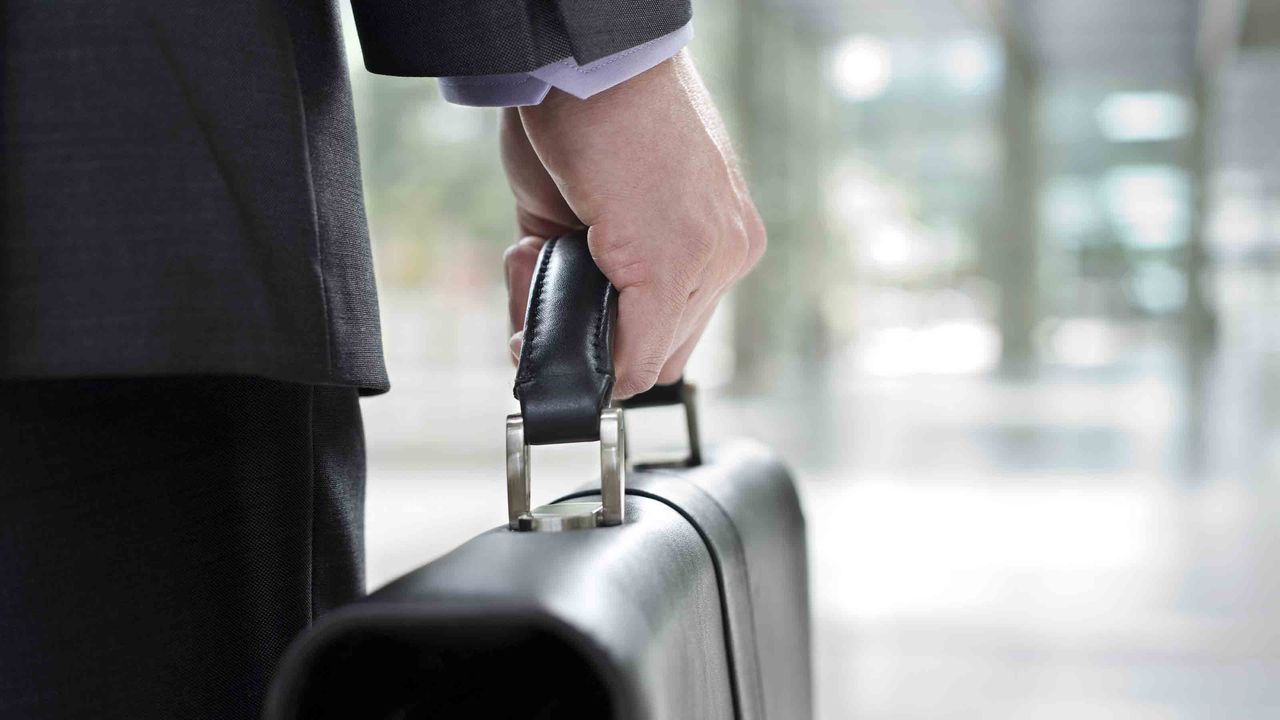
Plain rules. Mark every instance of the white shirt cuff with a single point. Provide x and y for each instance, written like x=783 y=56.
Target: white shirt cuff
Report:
x=581 y=81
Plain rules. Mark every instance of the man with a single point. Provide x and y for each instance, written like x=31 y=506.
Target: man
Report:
x=188 y=313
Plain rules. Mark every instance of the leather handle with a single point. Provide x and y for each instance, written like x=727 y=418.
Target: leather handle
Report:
x=565 y=376
x=658 y=396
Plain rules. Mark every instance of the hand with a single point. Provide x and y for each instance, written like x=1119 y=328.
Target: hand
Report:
x=648 y=168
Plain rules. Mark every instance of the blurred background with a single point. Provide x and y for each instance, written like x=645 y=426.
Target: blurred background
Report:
x=1015 y=333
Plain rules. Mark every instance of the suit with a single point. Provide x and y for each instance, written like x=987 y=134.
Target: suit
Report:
x=182 y=183
x=183 y=225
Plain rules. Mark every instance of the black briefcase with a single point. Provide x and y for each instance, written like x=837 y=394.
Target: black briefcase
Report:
x=671 y=591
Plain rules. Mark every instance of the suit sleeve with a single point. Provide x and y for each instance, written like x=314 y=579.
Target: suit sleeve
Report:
x=433 y=38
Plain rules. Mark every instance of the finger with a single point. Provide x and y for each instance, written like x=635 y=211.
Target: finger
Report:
x=515 y=345
x=701 y=304
x=540 y=207
x=648 y=318
x=520 y=260
x=727 y=263
x=734 y=261
x=674 y=367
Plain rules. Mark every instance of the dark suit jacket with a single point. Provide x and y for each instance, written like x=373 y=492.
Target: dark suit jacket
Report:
x=181 y=181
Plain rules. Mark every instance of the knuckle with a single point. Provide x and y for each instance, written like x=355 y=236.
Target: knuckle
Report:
x=757 y=238
x=686 y=270
x=755 y=253
x=607 y=245
x=682 y=280
x=701 y=245
x=521 y=252
x=646 y=373
x=620 y=256
x=509 y=255
x=673 y=296
x=642 y=375
x=738 y=251
x=739 y=254
x=635 y=273
x=697 y=230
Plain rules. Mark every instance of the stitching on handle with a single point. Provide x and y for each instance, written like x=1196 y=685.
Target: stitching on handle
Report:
x=535 y=305
x=598 y=344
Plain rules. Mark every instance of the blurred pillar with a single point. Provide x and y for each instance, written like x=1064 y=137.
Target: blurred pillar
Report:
x=1217 y=36
x=780 y=102
x=1014 y=265
x=1198 y=322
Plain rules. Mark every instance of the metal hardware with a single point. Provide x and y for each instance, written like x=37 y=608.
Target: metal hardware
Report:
x=574 y=515
x=688 y=400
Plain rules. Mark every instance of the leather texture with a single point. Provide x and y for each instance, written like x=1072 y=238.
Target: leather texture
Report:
x=766 y=593
x=746 y=509
x=565 y=377
x=637 y=607
x=695 y=607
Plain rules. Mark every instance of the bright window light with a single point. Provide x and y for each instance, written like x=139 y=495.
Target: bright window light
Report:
x=856 y=194
x=971 y=65
x=958 y=347
x=1082 y=342
x=1237 y=224
x=1148 y=204
x=890 y=246
x=949 y=548
x=1069 y=206
x=1158 y=287
x=1144 y=116
x=862 y=68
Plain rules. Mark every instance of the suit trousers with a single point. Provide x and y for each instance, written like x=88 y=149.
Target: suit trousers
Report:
x=162 y=540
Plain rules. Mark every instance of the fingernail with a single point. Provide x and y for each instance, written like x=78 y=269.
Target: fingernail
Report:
x=514 y=345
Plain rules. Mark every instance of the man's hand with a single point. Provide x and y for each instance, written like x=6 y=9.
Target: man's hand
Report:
x=648 y=167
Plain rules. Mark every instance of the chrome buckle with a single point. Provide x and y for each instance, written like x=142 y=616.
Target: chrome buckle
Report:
x=574 y=515
x=688 y=401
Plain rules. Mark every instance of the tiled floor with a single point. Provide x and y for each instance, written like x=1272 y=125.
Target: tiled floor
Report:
x=1089 y=544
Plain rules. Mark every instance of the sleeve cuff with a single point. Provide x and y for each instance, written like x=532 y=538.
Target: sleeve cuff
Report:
x=581 y=81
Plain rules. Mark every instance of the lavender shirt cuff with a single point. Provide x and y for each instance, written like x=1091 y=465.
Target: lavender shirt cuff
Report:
x=529 y=88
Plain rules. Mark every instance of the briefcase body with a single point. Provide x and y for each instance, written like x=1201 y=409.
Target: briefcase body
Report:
x=681 y=593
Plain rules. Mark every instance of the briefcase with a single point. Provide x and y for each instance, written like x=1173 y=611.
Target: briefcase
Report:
x=676 y=590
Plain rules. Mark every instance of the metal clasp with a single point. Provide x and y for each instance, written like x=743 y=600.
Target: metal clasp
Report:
x=687 y=399
x=573 y=515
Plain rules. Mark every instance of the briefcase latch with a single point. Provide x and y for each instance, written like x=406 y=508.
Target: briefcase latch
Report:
x=572 y=515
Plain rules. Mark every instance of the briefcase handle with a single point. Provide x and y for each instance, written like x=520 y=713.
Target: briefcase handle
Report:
x=564 y=383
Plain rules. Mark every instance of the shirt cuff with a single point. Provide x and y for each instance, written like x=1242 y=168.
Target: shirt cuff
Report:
x=529 y=88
